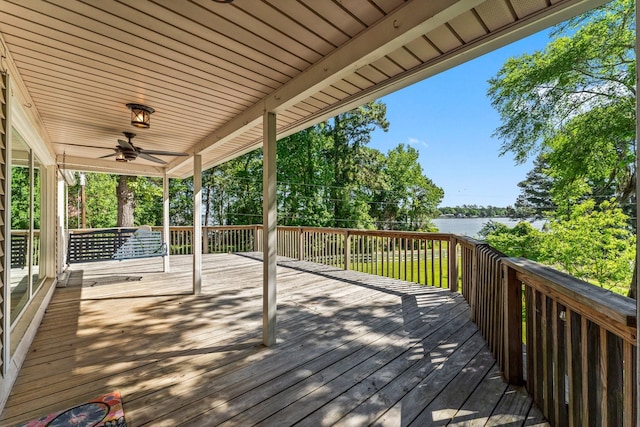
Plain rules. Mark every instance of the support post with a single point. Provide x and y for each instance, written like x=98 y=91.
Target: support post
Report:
x=300 y=244
x=196 y=238
x=166 y=238
x=269 y=223
x=347 y=250
x=512 y=297
x=452 y=257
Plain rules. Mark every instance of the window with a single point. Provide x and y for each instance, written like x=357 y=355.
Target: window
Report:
x=25 y=275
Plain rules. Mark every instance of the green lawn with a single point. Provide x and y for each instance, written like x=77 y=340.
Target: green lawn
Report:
x=417 y=271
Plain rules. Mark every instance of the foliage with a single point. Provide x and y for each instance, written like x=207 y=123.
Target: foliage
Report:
x=148 y=200
x=594 y=243
x=473 y=211
x=303 y=179
x=181 y=202
x=20 y=198
x=535 y=200
x=574 y=102
x=522 y=240
x=406 y=199
x=573 y=106
x=350 y=163
x=100 y=199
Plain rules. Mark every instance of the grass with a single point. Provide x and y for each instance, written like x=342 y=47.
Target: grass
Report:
x=424 y=272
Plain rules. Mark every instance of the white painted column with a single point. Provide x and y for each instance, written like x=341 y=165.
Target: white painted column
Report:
x=166 y=238
x=61 y=224
x=48 y=215
x=269 y=222
x=196 y=241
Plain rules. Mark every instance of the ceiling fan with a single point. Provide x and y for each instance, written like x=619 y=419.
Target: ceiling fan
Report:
x=125 y=151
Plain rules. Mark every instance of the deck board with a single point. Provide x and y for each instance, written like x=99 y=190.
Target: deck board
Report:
x=353 y=349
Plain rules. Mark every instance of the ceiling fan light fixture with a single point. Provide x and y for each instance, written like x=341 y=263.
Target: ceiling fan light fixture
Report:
x=120 y=157
x=140 y=115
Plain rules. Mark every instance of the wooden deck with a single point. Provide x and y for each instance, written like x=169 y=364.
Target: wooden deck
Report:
x=353 y=349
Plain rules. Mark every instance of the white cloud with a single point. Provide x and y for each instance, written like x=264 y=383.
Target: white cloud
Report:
x=416 y=141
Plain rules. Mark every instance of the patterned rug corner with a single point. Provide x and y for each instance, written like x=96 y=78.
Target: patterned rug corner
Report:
x=104 y=411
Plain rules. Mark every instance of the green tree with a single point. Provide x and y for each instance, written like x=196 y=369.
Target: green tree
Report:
x=575 y=102
x=20 y=198
x=595 y=245
x=245 y=198
x=181 y=202
x=100 y=201
x=522 y=240
x=349 y=133
x=407 y=199
x=304 y=179
x=535 y=199
x=148 y=200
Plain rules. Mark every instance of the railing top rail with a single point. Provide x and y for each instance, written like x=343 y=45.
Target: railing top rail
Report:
x=231 y=227
x=359 y=232
x=469 y=241
x=610 y=310
x=105 y=230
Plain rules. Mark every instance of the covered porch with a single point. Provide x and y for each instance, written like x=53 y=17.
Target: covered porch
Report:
x=350 y=347
x=353 y=349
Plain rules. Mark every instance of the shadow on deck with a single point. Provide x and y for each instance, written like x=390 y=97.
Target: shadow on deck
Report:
x=353 y=349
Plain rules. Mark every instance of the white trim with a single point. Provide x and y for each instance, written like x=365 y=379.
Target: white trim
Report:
x=34 y=139
x=71 y=163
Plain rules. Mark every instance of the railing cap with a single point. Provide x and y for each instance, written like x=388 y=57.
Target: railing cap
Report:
x=617 y=307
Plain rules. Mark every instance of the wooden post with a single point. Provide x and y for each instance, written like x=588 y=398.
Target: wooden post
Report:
x=512 y=297
x=473 y=285
x=196 y=237
x=269 y=235
x=300 y=245
x=205 y=240
x=452 y=255
x=347 y=250
x=165 y=222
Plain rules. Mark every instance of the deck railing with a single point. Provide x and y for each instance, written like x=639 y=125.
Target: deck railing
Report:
x=572 y=344
x=424 y=258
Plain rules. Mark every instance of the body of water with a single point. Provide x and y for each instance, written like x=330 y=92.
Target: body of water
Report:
x=471 y=226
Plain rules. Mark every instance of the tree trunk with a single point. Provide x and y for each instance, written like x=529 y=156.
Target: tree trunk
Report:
x=126 y=201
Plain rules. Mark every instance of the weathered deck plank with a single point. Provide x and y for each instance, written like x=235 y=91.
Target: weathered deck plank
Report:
x=353 y=349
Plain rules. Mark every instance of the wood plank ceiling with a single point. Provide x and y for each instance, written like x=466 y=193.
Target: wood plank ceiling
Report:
x=210 y=69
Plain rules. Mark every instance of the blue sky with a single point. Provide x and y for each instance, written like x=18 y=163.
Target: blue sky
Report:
x=449 y=119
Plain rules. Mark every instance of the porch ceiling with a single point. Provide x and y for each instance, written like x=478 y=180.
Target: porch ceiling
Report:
x=210 y=69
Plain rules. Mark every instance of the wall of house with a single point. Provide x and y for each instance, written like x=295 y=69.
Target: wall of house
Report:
x=28 y=287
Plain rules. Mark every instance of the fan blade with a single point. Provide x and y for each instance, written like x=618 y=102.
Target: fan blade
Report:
x=126 y=145
x=82 y=145
x=153 y=159
x=108 y=155
x=162 y=153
